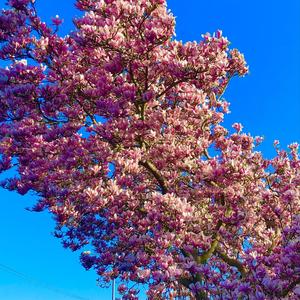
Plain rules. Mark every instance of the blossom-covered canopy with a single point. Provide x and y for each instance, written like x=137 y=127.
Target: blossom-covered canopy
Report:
x=117 y=128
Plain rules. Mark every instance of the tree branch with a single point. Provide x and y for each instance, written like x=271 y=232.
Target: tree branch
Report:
x=232 y=262
x=206 y=255
x=155 y=172
x=223 y=91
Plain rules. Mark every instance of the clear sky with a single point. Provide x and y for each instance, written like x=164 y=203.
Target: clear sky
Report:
x=33 y=264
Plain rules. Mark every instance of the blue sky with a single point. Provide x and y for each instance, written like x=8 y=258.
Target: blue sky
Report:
x=266 y=102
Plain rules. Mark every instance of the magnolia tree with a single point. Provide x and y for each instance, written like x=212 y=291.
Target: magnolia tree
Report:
x=117 y=129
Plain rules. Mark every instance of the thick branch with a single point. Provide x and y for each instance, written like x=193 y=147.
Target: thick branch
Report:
x=155 y=172
x=274 y=240
x=207 y=255
x=187 y=282
x=232 y=262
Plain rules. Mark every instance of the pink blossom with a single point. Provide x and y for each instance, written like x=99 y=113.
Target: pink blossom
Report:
x=57 y=21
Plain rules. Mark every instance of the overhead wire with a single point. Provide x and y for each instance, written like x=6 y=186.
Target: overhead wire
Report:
x=39 y=283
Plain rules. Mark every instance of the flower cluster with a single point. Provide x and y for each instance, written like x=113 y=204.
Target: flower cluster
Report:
x=117 y=129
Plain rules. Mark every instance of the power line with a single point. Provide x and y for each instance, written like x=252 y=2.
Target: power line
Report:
x=38 y=282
